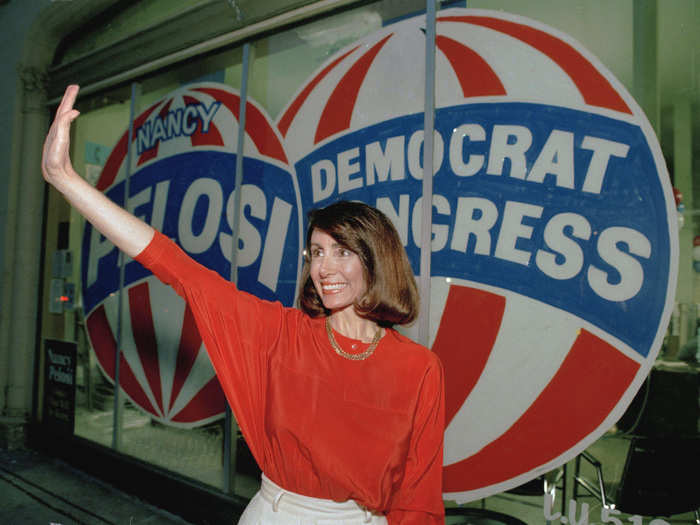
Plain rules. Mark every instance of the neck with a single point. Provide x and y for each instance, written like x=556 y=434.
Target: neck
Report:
x=351 y=325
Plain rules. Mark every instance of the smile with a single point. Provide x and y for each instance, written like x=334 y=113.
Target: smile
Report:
x=333 y=287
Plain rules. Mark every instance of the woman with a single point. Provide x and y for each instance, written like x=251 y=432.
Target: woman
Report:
x=343 y=415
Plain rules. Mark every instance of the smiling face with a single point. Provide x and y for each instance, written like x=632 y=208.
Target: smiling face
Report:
x=336 y=272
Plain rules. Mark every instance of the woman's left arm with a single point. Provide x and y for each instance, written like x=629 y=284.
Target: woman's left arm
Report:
x=419 y=499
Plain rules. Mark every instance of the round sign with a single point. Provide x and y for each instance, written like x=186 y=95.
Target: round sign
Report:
x=183 y=183
x=554 y=241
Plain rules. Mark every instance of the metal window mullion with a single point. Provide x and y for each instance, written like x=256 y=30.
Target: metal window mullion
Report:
x=231 y=430
x=428 y=153
x=239 y=163
x=118 y=406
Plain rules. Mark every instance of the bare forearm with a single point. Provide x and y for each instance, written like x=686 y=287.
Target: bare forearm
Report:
x=127 y=232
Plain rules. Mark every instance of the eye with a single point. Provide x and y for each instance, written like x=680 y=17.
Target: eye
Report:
x=315 y=252
x=344 y=252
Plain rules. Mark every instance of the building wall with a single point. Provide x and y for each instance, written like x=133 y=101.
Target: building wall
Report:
x=29 y=35
x=16 y=19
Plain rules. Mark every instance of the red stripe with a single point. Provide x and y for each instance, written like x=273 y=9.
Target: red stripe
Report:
x=257 y=126
x=594 y=87
x=476 y=314
x=144 y=334
x=475 y=75
x=296 y=104
x=339 y=107
x=588 y=385
x=149 y=154
x=208 y=402
x=111 y=167
x=105 y=347
x=102 y=339
x=198 y=138
x=190 y=343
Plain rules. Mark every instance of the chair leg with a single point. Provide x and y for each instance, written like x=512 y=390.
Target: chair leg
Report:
x=577 y=469
x=550 y=490
x=563 y=492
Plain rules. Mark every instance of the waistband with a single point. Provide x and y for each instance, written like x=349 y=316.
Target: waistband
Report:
x=284 y=500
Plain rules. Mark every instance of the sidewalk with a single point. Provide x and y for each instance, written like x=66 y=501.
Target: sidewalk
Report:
x=39 y=490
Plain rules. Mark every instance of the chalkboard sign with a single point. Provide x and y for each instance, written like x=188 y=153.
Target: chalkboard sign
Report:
x=59 y=385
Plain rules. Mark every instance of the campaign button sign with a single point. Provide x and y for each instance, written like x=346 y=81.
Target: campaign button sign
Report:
x=183 y=183
x=554 y=237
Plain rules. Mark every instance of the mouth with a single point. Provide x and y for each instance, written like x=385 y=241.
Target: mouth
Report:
x=331 y=288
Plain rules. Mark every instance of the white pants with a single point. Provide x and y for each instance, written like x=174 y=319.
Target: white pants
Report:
x=273 y=505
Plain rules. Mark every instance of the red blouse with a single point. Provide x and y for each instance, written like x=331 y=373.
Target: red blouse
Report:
x=319 y=424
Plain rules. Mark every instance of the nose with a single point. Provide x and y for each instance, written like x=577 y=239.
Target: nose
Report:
x=327 y=265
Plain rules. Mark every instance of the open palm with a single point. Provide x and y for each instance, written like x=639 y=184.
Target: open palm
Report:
x=55 y=162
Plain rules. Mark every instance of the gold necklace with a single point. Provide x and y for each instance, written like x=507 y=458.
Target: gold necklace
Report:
x=346 y=355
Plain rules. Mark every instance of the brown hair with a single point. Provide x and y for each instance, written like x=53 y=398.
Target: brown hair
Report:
x=391 y=296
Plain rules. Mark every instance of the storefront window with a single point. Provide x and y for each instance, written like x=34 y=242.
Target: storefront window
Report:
x=192 y=450
x=341 y=100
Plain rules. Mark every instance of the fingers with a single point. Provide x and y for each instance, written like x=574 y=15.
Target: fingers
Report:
x=55 y=156
x=66 y=113
x=68 y=99
x=72 y=115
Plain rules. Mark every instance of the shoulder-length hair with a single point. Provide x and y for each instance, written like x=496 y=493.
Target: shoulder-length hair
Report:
x=392 y=295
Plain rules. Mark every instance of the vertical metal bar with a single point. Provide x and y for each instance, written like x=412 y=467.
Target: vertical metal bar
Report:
x=239 y=163
x=118 y=406
x=231 y=429
x=427 y=211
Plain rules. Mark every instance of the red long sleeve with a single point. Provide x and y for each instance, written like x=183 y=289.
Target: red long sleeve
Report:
x=319 y=424
x=423 y=475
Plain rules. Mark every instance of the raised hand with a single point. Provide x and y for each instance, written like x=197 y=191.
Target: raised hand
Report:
x=55 y=163
x=125 y=230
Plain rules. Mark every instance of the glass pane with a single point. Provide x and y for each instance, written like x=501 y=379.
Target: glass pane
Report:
x=281 y=66
x=505 y=97
x=155 y=391
x=284 y=62
x=605 y=30
x=299 y=74
x=191 y=445
x=94 y=133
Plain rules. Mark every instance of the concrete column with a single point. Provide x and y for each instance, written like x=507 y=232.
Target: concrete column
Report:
x=27 y=247
x=6 y=310
x=20 y=292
